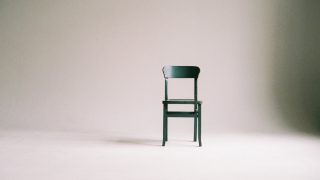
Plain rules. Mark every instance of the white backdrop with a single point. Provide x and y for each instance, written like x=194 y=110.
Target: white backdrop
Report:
x=96 y=65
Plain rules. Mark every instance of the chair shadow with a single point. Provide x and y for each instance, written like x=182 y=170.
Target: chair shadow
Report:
x=143 y=141
x=136 y=141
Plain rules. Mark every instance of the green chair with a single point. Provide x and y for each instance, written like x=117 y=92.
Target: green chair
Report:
x=182 y=72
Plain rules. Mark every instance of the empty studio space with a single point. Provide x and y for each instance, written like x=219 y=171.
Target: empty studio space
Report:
x=95 y=89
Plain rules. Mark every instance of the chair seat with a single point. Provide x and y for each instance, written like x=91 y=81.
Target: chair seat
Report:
x=181 y=101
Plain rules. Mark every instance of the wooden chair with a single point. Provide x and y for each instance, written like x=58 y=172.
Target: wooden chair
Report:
x=182 y=72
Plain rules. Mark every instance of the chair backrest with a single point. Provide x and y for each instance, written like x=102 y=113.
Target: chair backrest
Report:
x=181 y=72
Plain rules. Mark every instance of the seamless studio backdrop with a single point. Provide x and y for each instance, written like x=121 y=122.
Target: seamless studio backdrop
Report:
x=95 y=66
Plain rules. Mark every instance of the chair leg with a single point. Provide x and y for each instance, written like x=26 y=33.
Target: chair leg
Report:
x=164 y=127
x=166 y=121
x=195 y=128
x=199 y=125
x=166 y=138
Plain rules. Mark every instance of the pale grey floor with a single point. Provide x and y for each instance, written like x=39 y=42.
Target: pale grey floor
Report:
x=64 y=156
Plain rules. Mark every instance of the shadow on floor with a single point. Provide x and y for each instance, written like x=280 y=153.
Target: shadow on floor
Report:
x=146 y=142
x=136 y=141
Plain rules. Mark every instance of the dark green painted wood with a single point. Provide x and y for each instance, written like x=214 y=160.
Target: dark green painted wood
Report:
x=165 y=124
x=196 y=89
x=180 y=114
x=166 y=89
x=195 y=109
x=166 y=120
x=164 y=127
x=181 y=101
x=195 y=127
x=199 y=126
x=182 y=72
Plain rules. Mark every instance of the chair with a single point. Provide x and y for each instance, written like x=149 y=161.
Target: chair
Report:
x=182 y=72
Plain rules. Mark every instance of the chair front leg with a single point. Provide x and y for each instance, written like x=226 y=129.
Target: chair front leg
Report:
x=166 y=121
x=195 y=127
x=199 y=125
x=164 y=126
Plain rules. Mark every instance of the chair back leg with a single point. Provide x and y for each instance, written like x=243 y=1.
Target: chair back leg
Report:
x=195 y=125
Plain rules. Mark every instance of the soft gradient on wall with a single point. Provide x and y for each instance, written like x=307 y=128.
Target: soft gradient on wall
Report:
x=96 y=65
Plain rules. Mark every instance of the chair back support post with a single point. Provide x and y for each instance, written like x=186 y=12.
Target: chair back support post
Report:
x=195 y=93
x=166 y=89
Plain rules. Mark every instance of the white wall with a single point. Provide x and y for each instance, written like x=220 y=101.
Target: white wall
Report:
x=96 y=65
